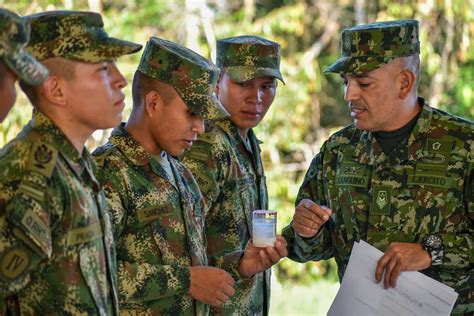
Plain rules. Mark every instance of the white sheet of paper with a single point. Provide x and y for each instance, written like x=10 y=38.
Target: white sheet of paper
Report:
x=415 y=294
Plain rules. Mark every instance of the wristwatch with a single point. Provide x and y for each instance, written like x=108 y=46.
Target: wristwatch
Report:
x=434 y=245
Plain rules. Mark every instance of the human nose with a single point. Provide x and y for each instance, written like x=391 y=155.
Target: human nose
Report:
x=351 y=91
x=198 y=125
x=117 y=78
x=255 y=95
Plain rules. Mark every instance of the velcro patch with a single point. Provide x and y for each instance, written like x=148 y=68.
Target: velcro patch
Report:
x=84 y=234
x=430 y=180
x=352 y=181
x=42 y=159
x=14 y=263
x=154 y=212
x=29 y=189
x=381 y=200
x=36 y=228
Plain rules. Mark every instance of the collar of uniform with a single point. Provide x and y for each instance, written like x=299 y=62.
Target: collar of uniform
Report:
x=367 y=150
x=230 y=129
x=51 y=134
x=419 y=136
x=129 y=146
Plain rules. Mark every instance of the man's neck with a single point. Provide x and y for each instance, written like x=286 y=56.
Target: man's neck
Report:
x=139 y=130
x=243 y=132
x=74 y=132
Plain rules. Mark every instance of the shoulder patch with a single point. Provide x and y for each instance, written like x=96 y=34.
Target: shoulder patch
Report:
x=14 y=263
x=42 y=159
x=199 y=153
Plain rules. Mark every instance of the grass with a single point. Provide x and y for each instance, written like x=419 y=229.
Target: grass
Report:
x=296 y=300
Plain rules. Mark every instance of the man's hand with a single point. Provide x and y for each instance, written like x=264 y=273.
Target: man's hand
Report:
x=210 y=285
x=309 y=217
x=401 y=256
x=257 y=259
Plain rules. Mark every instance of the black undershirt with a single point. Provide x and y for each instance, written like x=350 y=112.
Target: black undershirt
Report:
x=389 y=140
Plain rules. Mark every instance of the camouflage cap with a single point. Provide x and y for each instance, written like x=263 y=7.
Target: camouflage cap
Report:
x=192 y=76
x=248 y=57
x=367 y=47
x=14 y=35
x=74 y=35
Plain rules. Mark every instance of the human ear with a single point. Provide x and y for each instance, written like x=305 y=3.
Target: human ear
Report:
x=153 y=102
x=407 y=81
x=53 y=91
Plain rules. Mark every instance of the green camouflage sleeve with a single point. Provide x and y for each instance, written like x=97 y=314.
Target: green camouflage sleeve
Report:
x=25 y=224
x=318 y=247
x=459 y=248
x=138 y=281
x=208 y=167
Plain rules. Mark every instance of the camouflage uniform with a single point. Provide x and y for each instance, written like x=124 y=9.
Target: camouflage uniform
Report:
x=56 y=244
x=159 y=226
x=230 y=173
x=425 y=186
x=14 y=35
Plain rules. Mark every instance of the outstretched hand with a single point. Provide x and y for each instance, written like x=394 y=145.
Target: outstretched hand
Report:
x=257 y=259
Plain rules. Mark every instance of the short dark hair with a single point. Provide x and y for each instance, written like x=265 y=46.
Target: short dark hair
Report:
x=143 y=84
x=57 y=66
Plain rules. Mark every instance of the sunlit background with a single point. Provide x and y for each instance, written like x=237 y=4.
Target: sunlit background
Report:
x=310 y=106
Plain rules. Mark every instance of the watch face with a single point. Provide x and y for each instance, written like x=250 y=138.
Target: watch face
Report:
x=434 y=241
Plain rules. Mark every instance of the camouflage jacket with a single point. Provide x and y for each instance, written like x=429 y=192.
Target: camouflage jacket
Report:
x=56 y=243
x=425 y=188
x=158 y=228
x=232 y=181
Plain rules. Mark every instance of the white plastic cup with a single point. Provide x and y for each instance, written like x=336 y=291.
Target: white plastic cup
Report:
x=264 y=228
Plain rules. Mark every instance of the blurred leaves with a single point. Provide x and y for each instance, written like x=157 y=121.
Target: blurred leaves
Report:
x=310 y=106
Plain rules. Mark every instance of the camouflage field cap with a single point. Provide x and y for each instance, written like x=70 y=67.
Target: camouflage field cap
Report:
x=192 y=76
x=248 y=57
x=367 y=47
x=74 y=35
x=14 y=35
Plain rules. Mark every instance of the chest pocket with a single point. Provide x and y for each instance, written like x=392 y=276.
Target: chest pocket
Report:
x=436 y=196
x=351 y=189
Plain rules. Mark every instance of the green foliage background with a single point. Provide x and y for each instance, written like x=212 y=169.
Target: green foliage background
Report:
x=310 y=106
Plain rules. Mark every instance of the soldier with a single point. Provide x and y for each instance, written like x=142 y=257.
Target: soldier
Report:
x=15 y=62
x=155 y=202
x=56 y=244
x=226 y=160
x=400 y=177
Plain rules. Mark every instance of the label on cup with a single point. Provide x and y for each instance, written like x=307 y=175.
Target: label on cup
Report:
x=264 y=228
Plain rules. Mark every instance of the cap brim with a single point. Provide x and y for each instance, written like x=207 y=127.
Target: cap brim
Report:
x=27 y=67
x=107 y=49
x=246 y=73
x=206 y=106
x=357 y=65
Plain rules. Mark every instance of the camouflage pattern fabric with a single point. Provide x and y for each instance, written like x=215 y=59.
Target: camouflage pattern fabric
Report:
x=367 y=47
x=425 y=188
x=56 y=244
x=248 y=57
x=192 y=76
x=158 y=228
x=14 y=35
x=232 y=180
x=74 y=35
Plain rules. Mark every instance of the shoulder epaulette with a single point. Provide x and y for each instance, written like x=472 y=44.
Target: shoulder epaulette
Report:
x=42 y=159
x=101 y=153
